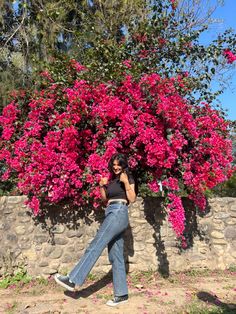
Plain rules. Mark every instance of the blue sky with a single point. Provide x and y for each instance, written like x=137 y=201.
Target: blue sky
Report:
x=227 y=14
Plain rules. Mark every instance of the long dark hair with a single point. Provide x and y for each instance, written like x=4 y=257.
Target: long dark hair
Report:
x=122 y=162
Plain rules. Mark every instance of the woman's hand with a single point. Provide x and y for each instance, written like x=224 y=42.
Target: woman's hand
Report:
x=124 y=177
x=103 y=181
x=129 y=188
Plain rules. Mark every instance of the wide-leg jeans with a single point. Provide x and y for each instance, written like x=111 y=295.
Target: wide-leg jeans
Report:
x=109 y=234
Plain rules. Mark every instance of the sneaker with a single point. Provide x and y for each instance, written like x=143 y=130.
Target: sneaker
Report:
x=118 y=300
x=65 y=282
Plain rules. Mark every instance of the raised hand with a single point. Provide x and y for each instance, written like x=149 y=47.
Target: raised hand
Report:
x=103 y=181
x=124 y=177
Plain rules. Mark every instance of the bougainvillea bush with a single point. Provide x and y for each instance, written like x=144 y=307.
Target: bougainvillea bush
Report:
x=58 y=139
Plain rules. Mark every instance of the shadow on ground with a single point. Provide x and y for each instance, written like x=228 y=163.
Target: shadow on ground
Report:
x=91 y=289
x=226 y=308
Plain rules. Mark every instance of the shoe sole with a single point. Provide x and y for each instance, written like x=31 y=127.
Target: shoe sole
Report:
x=116 y=304
x=64 y=285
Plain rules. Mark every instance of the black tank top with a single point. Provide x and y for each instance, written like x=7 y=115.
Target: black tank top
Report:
x=116 y=189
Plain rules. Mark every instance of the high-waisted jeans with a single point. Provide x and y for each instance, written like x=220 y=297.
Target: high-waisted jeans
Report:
x=110 y=233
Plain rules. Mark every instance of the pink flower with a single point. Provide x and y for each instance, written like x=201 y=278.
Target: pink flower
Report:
x=77 y=66
x=174 y=4
x=34 y=205
x=128 y=64
x=176 y=215
x=171 y=183
x=230 y=57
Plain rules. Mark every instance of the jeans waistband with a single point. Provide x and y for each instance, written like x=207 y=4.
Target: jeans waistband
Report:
x=117 y=202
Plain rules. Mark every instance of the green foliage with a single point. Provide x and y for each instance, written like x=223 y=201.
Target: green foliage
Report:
x=200 y=308
x=232 y=268
x=20 y=277
x=100 y=34
x=226 y=189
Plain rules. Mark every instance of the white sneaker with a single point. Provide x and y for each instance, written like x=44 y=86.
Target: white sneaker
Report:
x=64 y=282
x=118 y=300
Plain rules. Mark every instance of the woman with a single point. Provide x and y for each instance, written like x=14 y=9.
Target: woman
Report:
x=118 y=192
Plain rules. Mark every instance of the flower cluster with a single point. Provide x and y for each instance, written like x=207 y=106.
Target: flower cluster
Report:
x=230 y=57
x=60 y=142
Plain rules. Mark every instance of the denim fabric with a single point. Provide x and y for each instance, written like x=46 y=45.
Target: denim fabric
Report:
x=110 y=233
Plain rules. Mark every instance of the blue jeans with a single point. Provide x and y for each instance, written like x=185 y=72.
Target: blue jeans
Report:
x=110 y=233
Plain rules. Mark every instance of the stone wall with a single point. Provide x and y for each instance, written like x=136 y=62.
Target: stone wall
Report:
x=55 y=243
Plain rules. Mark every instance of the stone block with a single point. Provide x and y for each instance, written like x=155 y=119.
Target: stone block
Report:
x=41 y=238
x=233 y=253
x=66 y=258
x=50 y=271
x=58 y=229
x=3 y=200
x=233 y=244
x=75 y=233
x=38 y=247
x=16 y=199
x=25 y=219
x=139 y=246
x=219 y=249
x=141 y=221
x=20 y=230
x=203 y=250
x=56 y=253
x=7 y=210
x=24 y=245
x=137 y=229
x=134 y=214
x=208 y=215
x=219 y=241
x=217 y=235
x=43 y=264
x=12 y=237
x=60 y=241
x=150 y=240
x=216 y=208
x=17 y=252
x=39 y=229
x=230 y=233
x=22 y=213
x=31 y=255
x=231 y=221
x=233 y=208
x=48 y=250
x=70 y=249
x=30 y=229
x=222 y=215
x=170 y=243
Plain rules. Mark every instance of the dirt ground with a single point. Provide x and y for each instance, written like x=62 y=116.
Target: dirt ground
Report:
x=149 y=293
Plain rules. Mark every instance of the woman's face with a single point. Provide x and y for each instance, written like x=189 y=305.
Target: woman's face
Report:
x=116 y=167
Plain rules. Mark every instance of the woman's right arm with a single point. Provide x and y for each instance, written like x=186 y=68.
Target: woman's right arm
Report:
x=102 y=184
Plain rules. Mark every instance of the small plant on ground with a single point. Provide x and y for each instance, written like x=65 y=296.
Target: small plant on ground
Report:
x=92 y=277
x=232 y=268
x=197 y=272
x=20 y=277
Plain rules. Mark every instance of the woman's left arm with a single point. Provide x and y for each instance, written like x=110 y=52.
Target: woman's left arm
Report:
x=129 y=188
x=130 y=192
